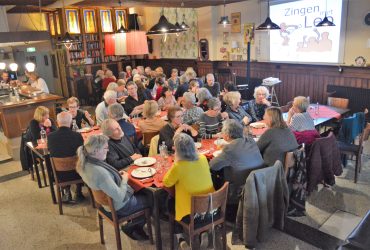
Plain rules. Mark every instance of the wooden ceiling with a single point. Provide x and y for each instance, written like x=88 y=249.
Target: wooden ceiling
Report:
x=22 y=6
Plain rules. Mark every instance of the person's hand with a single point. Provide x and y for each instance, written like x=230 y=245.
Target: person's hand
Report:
x=136 y=156
x=224 y=115
x=218 y=135
x=123 y=173
x=87 y=115
x=186 y=127
x=267 y=103
x=291 y=111
x=179 y=130
x=246 y=120
x=47 y=123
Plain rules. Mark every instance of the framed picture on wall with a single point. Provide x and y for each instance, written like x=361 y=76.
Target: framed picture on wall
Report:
x=106 y=21
x=120 y=18
x=57 y=23
x=235 y=22
x=51 y=24
x=73 y=21
x=248 y=33
x=89 y=21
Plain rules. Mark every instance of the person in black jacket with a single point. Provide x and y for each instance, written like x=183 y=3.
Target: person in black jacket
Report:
x=64 y=143
x=122 y=152
x=78 y=114
x=41 y=120
x=134 y=102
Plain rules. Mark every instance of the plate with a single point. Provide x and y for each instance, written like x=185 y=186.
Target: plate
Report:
x=143 y=172
x=164 y=118
x=145 y=161
x=217 y=153
x=198 y=145
x=84 y=130
x=258 y=125
x=220 y=142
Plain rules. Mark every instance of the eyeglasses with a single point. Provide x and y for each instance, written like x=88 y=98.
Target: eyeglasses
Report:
x=72 y=107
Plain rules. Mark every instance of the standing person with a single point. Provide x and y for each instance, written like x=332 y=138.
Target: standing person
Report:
x=257 y=106
x=64 y=143
x=134 y=102
x=38 y=83
x=174 y=127
x=101 y=111
x=212 y=86
x=78 y=114
x=5 y=79
x=174 y=80
x=167 y=99
x=232 y=99
x=41 y=121
x=109 y=77
x=278 y=139
x=99 y=175
x=298 y=117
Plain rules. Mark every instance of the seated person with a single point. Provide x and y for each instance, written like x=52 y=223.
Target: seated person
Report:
x=38 y=83
x=203 y=95
x=122 y=152
x=151 y=122
x=141 y=89
x=134 y=102
x=174 y=80
x=190 y=174
x=174 y=127
x=298 y=117
x=212 y=86
x=116 y=112
x=108 y=78
x=277 y=140
x=192 y=75
x=101 y=111
x=99 y=175
x=237 y=159
x=167 y=99
x=41 y=121
x=121 y=90
x=193 y=86
x=228 y=87
x=182 y=88
x=192 y=112
x=64 y=143
x=159 y=82
x=257 y=106
x=210 y=122
x=5 y=79
x=78 y=114
x=234 y=110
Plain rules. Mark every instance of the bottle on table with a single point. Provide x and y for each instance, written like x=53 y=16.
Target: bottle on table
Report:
x=74 y=126
x=317 y=110
x=163 y=150
x=43 y=137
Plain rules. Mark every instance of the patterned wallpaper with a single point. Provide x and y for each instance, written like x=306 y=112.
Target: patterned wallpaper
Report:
x=186 y=44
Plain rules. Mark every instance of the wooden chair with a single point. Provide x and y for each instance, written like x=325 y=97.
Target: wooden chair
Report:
x=355 y=150
x=338 y=102
x=103 y=199
x=61 y=166
x=153 y=148
x=147 y=137
x=201 y=204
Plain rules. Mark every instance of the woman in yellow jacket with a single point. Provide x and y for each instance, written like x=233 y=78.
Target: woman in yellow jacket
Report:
x=190 y=175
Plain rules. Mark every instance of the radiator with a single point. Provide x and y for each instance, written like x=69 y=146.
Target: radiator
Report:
x=359 y=98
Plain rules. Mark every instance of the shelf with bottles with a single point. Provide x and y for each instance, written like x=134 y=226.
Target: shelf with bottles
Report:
x=111 y=58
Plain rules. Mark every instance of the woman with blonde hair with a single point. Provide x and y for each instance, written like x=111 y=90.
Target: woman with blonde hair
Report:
x=41 y=121
x=151 y=122
x=278 y=139
x=257 y=106
x=38 y=83
x=99 y=175
x=232 y=100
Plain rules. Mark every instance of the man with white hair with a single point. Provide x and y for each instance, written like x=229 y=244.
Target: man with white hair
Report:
x=192 y=111
x=64 y=143
x=122 y=152
x=101 y=111
x=212 y=86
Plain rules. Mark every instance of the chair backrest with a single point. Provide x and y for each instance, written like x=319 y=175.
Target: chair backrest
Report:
x=208 y=202
x=64 y=163
x=338 y=102
x=153 y=148
x=147 y=137
x=289 y=159
x=101 y=198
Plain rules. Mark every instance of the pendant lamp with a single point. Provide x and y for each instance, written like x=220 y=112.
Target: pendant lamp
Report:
x=178 y=26
x=224 y=19
x=67 y=39
x=325 y=21
x=183 y=25
x=162 y=27
x=30 y=67
x=268 y=24
x=2 y=65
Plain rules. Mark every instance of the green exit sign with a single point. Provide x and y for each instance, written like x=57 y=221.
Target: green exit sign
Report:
x=31 y=49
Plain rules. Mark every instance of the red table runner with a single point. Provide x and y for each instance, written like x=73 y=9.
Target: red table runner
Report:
x=323 y=112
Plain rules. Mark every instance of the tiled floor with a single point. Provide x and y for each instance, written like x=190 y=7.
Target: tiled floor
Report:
x=29 y=220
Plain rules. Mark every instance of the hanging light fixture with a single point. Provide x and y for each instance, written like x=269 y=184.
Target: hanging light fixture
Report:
x=30 y=67
x=13 y=67
x=183 y=25
x=268 y=24
x=163 y=27
x=2 y=66
x=224 y=19
x=325 y=22
x=178 y=26
x=67 y=39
